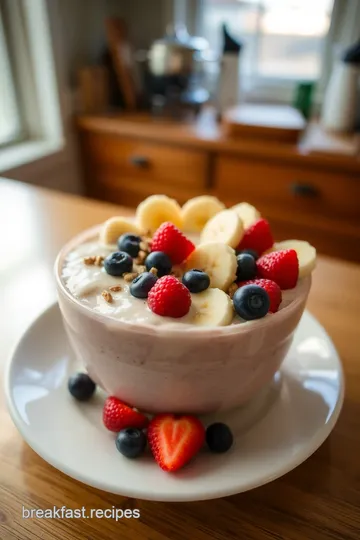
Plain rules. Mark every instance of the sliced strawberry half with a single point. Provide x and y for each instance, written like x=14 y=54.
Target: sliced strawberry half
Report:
x=174 y=441
x=118 y=415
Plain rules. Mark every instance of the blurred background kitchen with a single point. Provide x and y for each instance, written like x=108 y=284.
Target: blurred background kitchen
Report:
x=247 y=100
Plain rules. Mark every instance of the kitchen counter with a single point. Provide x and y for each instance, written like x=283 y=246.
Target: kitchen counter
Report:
x=208 y=134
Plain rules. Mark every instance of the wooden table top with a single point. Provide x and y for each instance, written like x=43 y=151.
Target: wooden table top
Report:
x=319 y=500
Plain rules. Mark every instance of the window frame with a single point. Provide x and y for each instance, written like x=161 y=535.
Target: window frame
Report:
x=32 y=59
x=11 y=101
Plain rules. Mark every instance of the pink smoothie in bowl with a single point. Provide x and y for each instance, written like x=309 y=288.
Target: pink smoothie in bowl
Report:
x=159 y=363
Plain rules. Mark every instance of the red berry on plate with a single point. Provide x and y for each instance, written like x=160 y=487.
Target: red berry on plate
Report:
x=173 y=242
x=117 y=416
x=169 y=298
x=174 y=441
x=280 y=266
x=271 y=288
x=257 y=237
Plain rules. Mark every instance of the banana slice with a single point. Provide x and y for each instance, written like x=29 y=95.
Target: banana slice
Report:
x=115 y=227
x=224 y=227
x=157 y=209
x=213 y=307
x=248 y=213
x=218 y=260
x=306 y=254
x=197 y=211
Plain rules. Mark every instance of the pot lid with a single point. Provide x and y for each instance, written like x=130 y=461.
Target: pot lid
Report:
x=178 y=36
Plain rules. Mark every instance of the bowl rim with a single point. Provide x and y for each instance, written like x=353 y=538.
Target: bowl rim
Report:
x=270 y=320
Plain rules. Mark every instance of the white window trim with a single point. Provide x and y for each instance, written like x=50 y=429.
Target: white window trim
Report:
x=9 y=113
x=36 y=84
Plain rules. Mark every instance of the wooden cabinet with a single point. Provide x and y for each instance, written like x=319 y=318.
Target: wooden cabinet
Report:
x=314 y=204
x=128 y=170
x=303 y=196
x=298 y=192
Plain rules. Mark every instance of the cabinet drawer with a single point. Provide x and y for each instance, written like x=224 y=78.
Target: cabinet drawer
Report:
x=133 y=160
x=104 y=182
x=291 y=192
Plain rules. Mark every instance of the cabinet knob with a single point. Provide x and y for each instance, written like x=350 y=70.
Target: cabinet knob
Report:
x=141 y=162
x=304 y=190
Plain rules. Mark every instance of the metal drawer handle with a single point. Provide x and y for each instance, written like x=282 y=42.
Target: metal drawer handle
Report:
x=304 y=190
x=139 y=161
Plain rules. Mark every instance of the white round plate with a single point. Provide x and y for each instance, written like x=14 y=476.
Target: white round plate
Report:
x=274 y=433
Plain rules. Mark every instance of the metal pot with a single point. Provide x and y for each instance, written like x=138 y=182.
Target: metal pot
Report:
x=177 y=54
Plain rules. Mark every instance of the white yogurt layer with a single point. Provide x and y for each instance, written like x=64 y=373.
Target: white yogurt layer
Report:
x=87 y=282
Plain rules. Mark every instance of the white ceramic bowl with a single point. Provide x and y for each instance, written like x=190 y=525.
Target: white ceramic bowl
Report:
x=182 y=369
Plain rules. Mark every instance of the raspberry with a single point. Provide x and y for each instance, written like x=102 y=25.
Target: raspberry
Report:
x=280 y=266
x=169 y=298
x=257 y=237
x=271 y=288
x=173 y=242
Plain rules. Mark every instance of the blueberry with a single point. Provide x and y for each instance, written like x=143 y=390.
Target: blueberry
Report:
x=118 y=263
x=81 y=387
x=160 y=261
x=251 y=252
x=219 y=437
x=131 y=442
x=142 y=284
x=246 y=267
x=196 y=280
x=251 y=302
x=130 y=243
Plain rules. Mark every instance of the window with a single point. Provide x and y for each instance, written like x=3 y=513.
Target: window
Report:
x=284 y=41
x=282 y=38
x=30 y=116
x=9 y=110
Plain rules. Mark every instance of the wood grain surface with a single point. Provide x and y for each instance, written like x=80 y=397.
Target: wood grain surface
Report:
x=122 y=59
x=320 y=500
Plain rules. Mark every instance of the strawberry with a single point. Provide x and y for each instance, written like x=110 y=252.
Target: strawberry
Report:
x=173 y=242
x=117 y=415
x=169 y=297
x=175 y=440
x=280 y=266
x=271 y=288
x=257 y=237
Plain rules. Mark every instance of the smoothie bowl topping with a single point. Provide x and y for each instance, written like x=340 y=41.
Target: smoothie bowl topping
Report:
x=201 y=265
